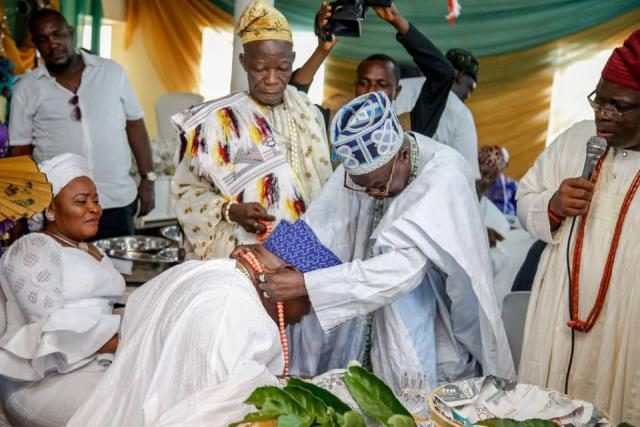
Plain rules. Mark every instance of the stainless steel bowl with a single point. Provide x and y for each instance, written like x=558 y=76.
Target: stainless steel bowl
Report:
x=133 y=244
x=173 y=233
x=149 y=256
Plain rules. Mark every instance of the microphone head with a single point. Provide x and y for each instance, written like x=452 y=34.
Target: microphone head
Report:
x=596 y=145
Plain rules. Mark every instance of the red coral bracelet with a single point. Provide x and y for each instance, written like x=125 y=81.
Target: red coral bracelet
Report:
x=553 y=217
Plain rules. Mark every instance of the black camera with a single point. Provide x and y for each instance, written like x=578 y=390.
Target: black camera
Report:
x=346 y=18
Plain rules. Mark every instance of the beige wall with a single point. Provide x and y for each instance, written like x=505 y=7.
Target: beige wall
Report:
x=142 y=75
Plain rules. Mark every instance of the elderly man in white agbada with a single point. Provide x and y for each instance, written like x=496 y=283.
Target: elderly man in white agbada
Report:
x=415 y=293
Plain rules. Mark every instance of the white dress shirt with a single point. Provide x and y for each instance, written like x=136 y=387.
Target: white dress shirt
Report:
x=458 y=130
x=42 y=115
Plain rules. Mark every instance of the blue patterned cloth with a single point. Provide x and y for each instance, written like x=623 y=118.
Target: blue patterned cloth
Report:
x=366 y=133
x=503 y=195
x=296 y=244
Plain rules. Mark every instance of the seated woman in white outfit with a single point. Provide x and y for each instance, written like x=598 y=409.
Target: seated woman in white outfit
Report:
x=59 y=294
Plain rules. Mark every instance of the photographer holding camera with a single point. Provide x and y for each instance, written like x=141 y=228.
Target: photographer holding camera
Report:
x=382 y=72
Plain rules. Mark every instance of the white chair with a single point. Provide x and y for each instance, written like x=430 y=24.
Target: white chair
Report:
x=172 y=103
x=514 y=315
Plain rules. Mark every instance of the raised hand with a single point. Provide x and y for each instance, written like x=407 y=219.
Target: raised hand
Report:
x=322 y=19
x=392 y=15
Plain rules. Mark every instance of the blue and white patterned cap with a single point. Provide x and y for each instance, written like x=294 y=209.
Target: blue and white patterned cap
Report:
x=366 y=133
x=296 y=244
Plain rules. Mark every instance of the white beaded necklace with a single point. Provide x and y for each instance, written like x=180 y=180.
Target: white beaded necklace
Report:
x=294 y=151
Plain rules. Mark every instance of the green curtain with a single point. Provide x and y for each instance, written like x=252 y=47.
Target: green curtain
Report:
x=76 y=13
x=485 y=27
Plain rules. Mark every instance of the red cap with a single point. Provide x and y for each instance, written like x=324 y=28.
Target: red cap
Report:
x=623 y=67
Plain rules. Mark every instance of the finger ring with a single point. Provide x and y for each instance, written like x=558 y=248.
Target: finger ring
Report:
x=261 y=278
x=266 y=295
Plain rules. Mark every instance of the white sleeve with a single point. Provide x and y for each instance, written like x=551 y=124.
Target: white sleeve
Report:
x=132 y=108
x=33 y=268
x=465 y=141
x=354 y=289
x=535 y=190
x=197 y=204
x=20 y=119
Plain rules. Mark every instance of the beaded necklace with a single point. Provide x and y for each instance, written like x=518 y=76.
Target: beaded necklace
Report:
x=380 y=204
x=293 y=156
x=575 y=322
x=258 y=268
x=83 y=246
x=378 y=213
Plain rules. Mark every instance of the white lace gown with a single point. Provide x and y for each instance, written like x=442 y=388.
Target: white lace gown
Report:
x=59 y=303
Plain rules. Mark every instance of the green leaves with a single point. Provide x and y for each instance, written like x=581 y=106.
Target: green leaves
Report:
x=275 y=403
x=401 y=421
x=302 y=404
x=312 y=406
x=352 y=419
x=327 y=397
x=498 y=422
x=374 y=397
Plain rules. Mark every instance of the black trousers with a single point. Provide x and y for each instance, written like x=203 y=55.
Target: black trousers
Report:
x=527 y=273
x=117 y=222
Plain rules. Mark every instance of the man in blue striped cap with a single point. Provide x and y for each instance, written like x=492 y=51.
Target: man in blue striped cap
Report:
x=413 y=294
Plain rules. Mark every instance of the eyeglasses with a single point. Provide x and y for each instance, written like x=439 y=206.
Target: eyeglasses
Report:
x=350 y=185
x=613 y=111
x=76 y=114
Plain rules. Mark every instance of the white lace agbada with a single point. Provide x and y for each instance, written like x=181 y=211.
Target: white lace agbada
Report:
x=58 y=308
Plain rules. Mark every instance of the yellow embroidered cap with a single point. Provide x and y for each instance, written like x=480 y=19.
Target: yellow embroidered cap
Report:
x=259 y=21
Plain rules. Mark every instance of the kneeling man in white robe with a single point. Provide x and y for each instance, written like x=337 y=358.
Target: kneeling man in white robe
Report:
x=198 y=339
x=415 y=294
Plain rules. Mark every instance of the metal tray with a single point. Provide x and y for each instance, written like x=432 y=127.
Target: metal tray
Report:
x=173 y=233
x=137 y=244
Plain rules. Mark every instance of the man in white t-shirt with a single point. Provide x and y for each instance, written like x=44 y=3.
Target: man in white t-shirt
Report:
x=456 y=127
x=81 y=103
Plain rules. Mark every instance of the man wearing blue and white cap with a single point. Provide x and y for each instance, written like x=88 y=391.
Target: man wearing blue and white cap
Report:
x=414 y=295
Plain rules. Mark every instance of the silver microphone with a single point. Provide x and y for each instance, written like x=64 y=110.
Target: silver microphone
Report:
x=596 y=146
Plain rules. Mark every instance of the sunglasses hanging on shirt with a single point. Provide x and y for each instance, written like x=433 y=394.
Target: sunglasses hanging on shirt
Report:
x=76 y=114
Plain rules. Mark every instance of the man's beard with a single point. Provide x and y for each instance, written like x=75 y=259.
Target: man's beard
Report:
x=62 y=66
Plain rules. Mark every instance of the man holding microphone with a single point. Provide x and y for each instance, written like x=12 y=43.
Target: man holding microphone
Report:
x=584 y=313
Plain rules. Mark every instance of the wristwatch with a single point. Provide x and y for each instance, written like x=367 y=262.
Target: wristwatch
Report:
x=149 y=176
